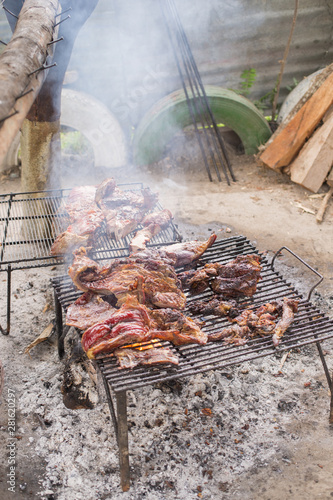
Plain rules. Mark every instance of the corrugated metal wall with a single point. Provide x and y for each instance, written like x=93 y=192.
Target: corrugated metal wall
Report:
x=122 y=55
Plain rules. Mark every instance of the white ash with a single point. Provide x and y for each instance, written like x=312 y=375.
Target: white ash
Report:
x=204 y=437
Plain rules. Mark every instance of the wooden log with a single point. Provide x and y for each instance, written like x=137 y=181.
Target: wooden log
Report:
x=289 y=140
x=323 y=206
x=26 y=52
x=315 y=159
x=329 y=179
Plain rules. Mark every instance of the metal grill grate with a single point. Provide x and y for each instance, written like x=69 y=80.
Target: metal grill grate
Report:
x=310 y=325
x=29 y=223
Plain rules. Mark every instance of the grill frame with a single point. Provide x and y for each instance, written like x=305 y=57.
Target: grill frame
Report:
x=18 y=215
x=310 y=324
x=49 y=207
x=315 y=327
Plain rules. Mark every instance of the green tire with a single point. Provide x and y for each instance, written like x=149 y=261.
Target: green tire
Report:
x=171 y=114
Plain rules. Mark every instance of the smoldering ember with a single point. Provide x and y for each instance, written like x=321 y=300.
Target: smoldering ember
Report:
x=166 y=250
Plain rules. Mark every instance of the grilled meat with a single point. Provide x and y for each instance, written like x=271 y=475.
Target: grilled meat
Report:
x=88 y=310
x=153 y=224
x=135 y=323
x=235 y=279
x=179 y=254
x=214 y=306
x=123 y=210
x=129 y=358
x=289 y=308
x=105 y=189
x=260 y=322
x=85 y=218
x=154 y=283
x=172 y=325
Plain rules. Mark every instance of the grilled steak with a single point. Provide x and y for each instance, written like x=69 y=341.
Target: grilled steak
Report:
x=85 y=217
x=88 y=310
x=123 y=210
x=215 y=306
x=135 y=323
x=129 y=358
x=153 y=224
x=179 y=254
x=154 y=283
x=237 y=278
x=260 y=322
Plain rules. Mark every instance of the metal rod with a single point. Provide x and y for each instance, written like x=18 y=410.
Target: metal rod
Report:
x=187 y=98
x=55 y=41
x=195 y=79
x=64 y=12
x=111 y=406
x=204 y=95
x=197 y=102
x=323 y=360
x=123 y=440
x=59 y=325
x=9 y=291
x=42 y=68
x=10 y=12
x=25 y=93
x=61 y=21
x=9 y=116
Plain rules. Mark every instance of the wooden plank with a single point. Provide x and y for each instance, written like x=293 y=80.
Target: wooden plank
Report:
x=315 y=159
x=288 y=141
x=329 y=179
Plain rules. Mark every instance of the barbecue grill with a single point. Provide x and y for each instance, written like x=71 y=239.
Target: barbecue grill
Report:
x=29 y=223
x=310 y=326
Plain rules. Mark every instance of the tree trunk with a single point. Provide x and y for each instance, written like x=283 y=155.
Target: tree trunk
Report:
x=26 y=52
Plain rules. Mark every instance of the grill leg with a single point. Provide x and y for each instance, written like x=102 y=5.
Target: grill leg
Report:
x=331 y=412
x=323 y=360
x=9 y=286
x=121 y=398
x=59 y=326
x=328 y=377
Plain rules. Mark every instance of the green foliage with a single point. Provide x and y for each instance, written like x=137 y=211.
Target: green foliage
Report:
x=248 y=78
x=73 y=142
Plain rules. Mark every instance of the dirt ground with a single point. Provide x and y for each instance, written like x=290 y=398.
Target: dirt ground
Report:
x=266 y=437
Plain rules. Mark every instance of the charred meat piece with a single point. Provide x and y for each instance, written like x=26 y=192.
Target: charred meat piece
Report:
x=68 y=241
x=179 y=254
x=154 y=283
x=214 y=306
x=88 y=310
x=237 y=278
x=289 y=308
x=85 y=217
x=129 y=358
x=233 y=334
x=153 y=224
x=105 y=189
x=130 y=324
x=124 y=210
x=197 y=281
x=177 y=328
x=135 y=323
x=259 y=322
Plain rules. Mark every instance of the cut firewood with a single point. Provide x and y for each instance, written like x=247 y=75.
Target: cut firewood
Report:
x=329 y=179
x=323 y=206
x=46 y=333
x=288 y=140
x=315 y=159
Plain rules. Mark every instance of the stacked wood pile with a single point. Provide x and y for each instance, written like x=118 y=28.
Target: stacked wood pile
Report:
x=302 y=146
